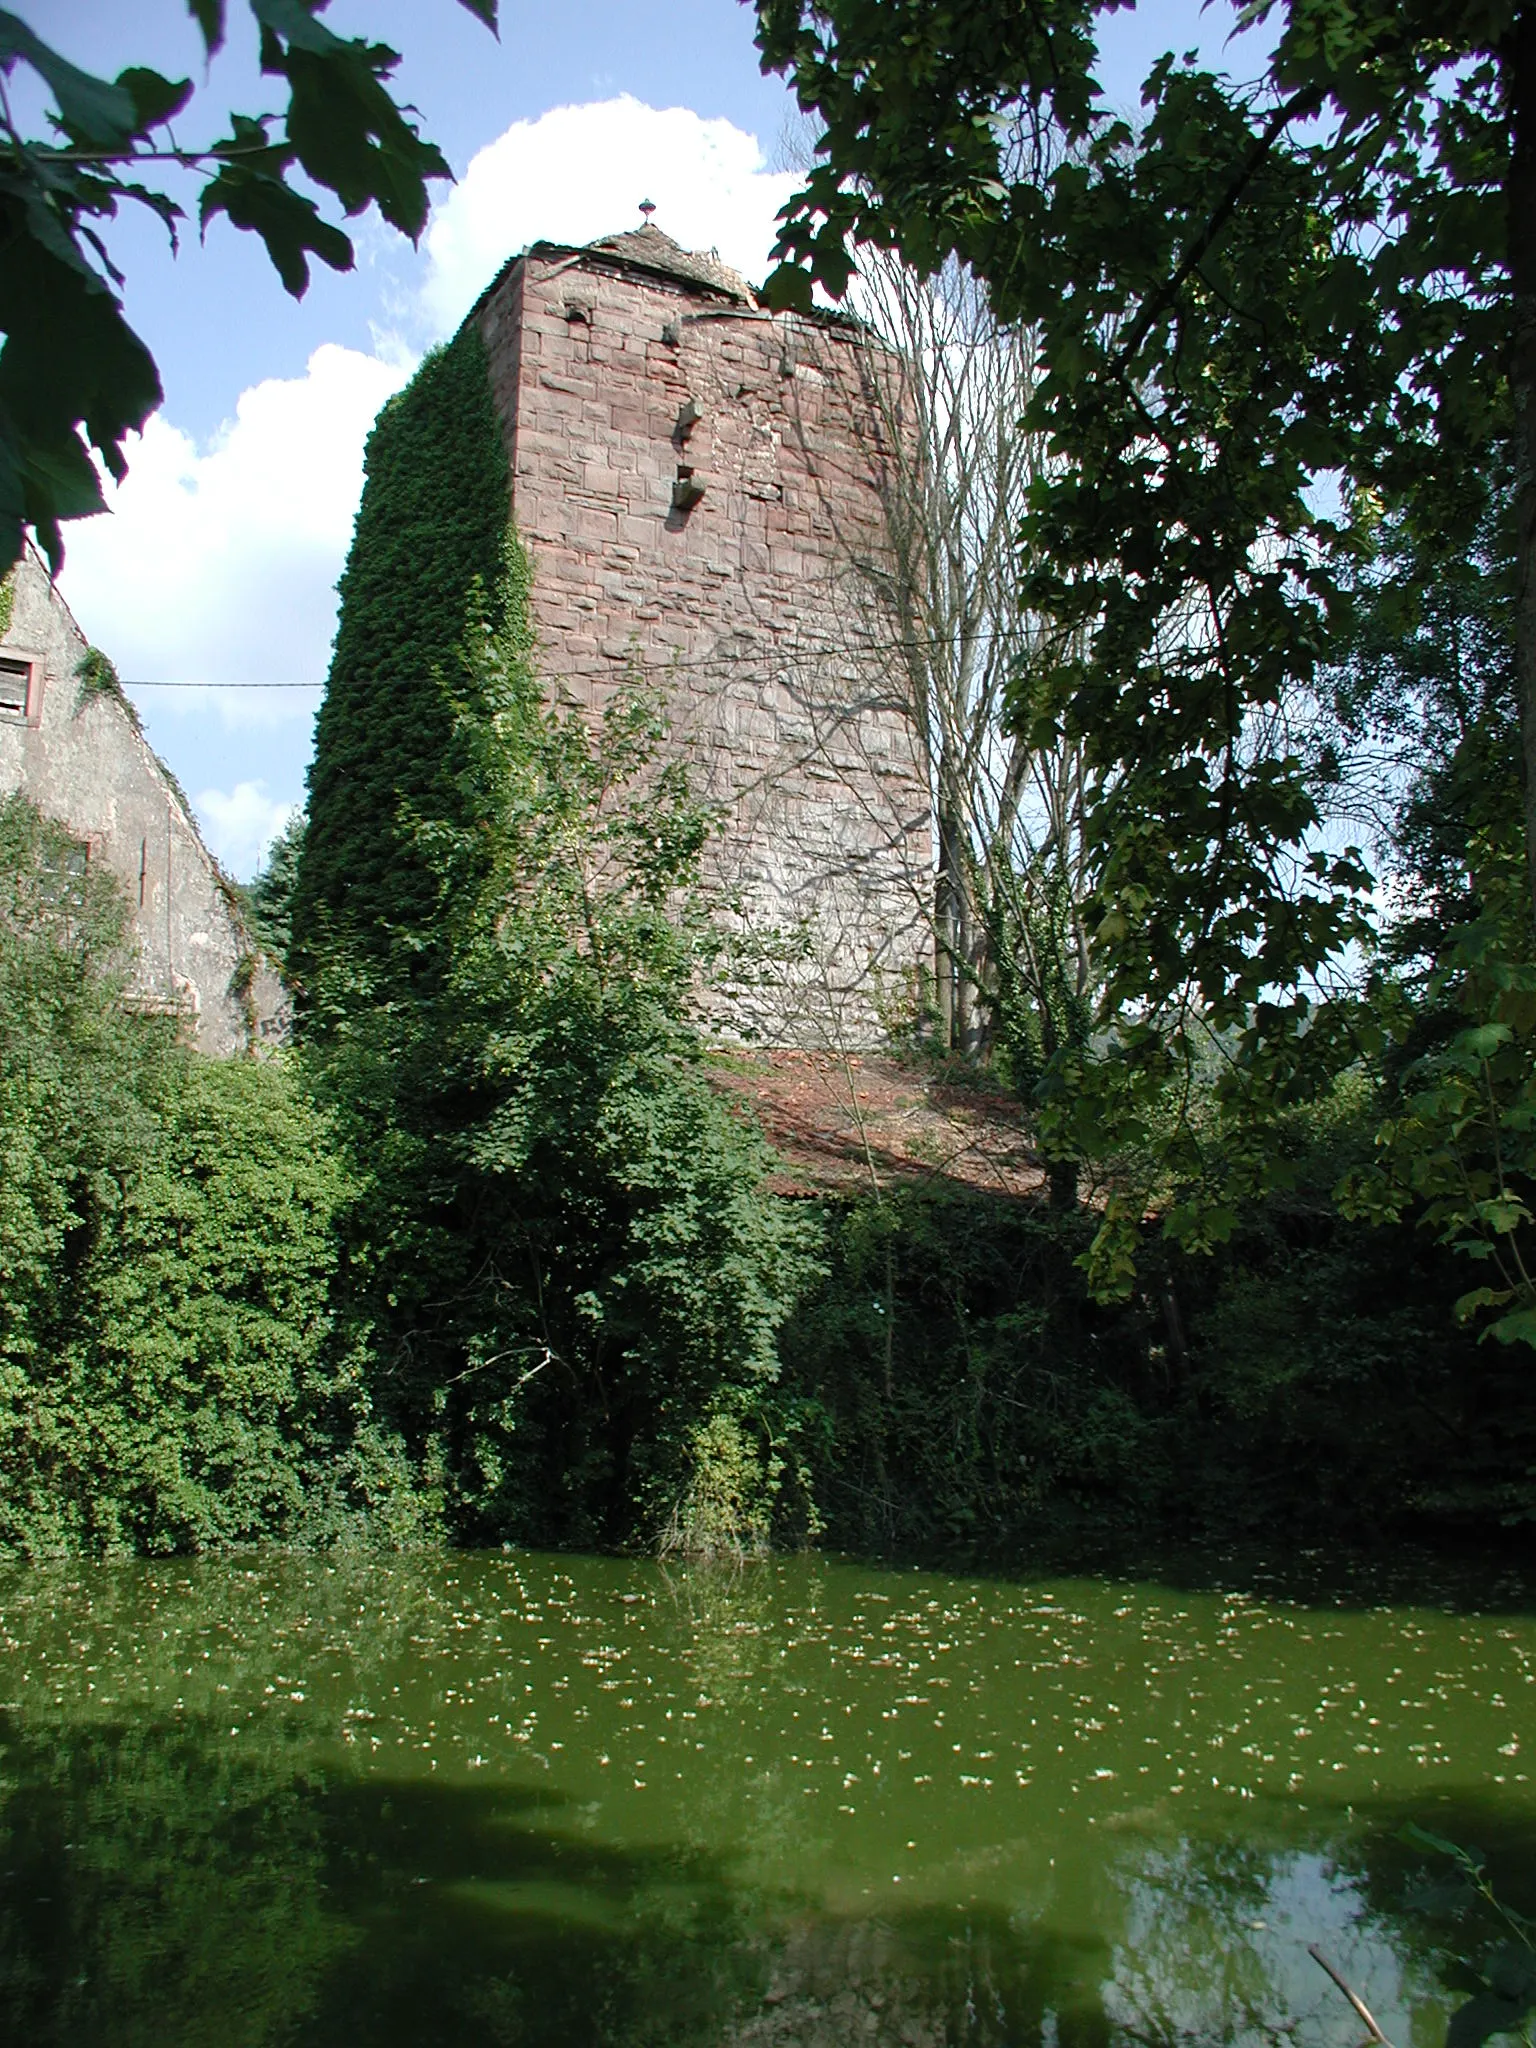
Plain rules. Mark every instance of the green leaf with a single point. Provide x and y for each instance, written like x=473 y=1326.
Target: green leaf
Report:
x=1467 y=1305
x=1421 y=1838
x=295 y=22
x=1519 y=1327
x=1484 y=1040
x=788 y=289
x=350 y=136
x=44 y=481
x=70 y=362
x=91 y=110
x=483 y=10
x=288 y=223
x=155 y=99
x=209 y=16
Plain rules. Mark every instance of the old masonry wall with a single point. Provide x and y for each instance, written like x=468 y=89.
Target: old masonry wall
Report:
x=698 y=485
x=79 y=755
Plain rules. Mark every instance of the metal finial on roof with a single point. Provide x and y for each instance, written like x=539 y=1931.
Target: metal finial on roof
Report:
x=647 y=208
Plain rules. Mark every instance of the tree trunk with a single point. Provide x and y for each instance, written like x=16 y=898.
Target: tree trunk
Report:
x=947 y=906
x=944 y=959
x=965 y=984
x=1519 y=67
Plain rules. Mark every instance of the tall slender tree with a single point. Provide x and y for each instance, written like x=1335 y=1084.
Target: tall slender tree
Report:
x=948 y=619
x=1271 y=306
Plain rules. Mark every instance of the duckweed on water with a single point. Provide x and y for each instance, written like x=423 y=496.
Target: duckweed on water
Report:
x=521 y=1799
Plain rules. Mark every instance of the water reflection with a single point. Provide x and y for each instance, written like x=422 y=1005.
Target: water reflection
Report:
x=156 y=1887
x=527 y=1801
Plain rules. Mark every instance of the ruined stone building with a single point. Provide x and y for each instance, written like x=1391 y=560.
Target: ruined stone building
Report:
x=77 y=752
x=694 y=478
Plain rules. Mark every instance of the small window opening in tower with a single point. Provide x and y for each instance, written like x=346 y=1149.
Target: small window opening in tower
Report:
x=688 y=489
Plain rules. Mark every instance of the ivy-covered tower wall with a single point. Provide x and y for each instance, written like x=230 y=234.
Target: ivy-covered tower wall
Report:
x=698 y=484
x=427 y=549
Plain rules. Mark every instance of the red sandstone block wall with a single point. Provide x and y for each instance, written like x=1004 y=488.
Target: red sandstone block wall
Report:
x=748 y=611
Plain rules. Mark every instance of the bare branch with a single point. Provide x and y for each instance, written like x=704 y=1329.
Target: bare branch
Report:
x=1361 y=2008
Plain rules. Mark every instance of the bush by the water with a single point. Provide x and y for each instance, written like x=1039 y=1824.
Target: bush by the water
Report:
x=573 y=1274
x=500 y=1265
x=959 y=1394
x=174 y=1372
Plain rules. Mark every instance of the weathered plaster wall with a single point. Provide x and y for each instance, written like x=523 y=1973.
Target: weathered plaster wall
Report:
x=81 y=758
x=744 y=608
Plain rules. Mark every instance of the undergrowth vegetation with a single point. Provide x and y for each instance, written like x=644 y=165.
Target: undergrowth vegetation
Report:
x=176 y=1368
x=501 y=1267
x=961 y=1395
x=487 y=1256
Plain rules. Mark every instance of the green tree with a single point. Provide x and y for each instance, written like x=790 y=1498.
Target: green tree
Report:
x=1323 y=277
x=1428 y=688
x=268 y=900
x=574 y=1273
x=73 y=374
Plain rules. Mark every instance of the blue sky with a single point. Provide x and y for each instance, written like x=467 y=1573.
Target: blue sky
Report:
x=219 y=559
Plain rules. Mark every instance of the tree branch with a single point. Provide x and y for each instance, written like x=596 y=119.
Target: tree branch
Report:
x=1359 y=2004
x=1305 y=101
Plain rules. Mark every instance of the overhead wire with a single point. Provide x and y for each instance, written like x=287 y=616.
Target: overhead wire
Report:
x=146 y=683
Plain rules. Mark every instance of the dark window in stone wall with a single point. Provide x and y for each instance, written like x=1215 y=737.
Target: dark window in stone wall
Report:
x=15 y=687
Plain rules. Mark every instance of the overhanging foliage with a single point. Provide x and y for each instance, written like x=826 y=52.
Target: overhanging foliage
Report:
x=74 y=377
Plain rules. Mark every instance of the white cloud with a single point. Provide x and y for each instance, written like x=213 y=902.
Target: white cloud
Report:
x=580 y=172
x=240 y=824
x=218 y=560
x=218 y=563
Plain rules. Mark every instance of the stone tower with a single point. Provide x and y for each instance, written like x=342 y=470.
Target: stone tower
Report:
x=698 y=483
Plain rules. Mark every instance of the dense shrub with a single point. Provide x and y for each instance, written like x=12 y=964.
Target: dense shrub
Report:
x=172 y=1373
x=567 y=1254
x=959 y=1394
x=267 y=901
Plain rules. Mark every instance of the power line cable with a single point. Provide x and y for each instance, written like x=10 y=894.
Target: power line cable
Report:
x=146 y=683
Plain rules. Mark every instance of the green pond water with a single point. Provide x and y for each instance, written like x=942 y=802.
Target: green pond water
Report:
x=523 y=1799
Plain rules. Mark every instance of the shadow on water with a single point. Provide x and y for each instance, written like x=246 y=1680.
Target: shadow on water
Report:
x=1475 y=1581
x=155 y=1886
x=159 y=1886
